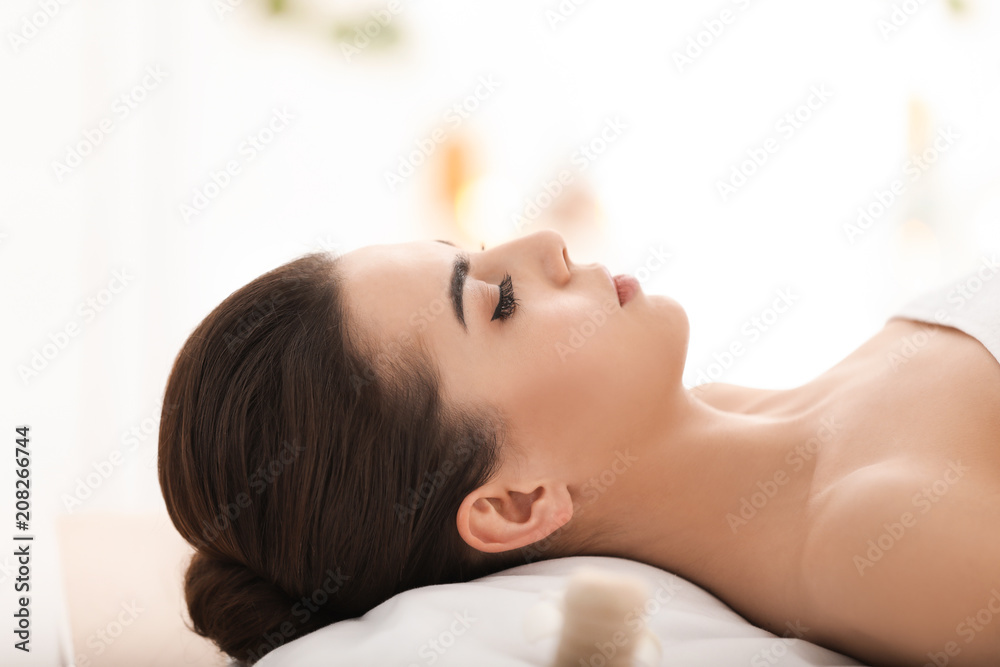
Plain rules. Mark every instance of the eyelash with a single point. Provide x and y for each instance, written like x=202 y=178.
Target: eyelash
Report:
x=508 y=303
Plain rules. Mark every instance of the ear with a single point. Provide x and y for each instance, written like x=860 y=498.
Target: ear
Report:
x=501 y=516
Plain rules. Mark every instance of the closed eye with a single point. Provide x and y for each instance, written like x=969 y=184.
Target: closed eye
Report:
x=508 y=302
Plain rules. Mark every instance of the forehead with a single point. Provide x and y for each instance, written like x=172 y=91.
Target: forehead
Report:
x=391 y=289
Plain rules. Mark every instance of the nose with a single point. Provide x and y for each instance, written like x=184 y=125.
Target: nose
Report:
x=541 y=255
x=551 y=250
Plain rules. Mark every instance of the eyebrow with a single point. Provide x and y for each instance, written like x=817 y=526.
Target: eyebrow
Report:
x=459 y=271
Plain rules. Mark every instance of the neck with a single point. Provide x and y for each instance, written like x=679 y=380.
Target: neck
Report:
x=715 y=495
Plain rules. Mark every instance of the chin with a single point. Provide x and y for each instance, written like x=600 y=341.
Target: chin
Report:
x=670 y=309
x=672 y=330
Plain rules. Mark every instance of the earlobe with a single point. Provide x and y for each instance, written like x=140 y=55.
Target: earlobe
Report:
x=499 y=517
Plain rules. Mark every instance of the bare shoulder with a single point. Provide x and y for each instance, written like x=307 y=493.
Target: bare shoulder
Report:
x=903 y=562
x=901 y=349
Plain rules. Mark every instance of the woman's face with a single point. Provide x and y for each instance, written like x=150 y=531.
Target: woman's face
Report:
x=577 y=377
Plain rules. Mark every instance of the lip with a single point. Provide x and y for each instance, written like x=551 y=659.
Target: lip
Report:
x=627 y=287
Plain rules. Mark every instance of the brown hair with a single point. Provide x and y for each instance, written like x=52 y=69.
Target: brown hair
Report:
x=312 y=485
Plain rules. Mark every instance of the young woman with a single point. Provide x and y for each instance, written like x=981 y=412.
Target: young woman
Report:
x=411 y=414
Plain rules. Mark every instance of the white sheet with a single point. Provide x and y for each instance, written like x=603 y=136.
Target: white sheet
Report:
x=512 y=618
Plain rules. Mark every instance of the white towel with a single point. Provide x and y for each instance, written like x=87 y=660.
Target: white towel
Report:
x=970 y=304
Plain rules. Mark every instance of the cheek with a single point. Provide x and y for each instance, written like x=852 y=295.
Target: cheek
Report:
x=589 y=349
x=572 y=326
x=627 y=351
x=578 y=367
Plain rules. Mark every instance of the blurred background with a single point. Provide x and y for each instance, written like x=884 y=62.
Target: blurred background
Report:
x=789 y=172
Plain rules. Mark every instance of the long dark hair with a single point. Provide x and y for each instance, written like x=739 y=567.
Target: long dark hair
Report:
x=313 y=482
